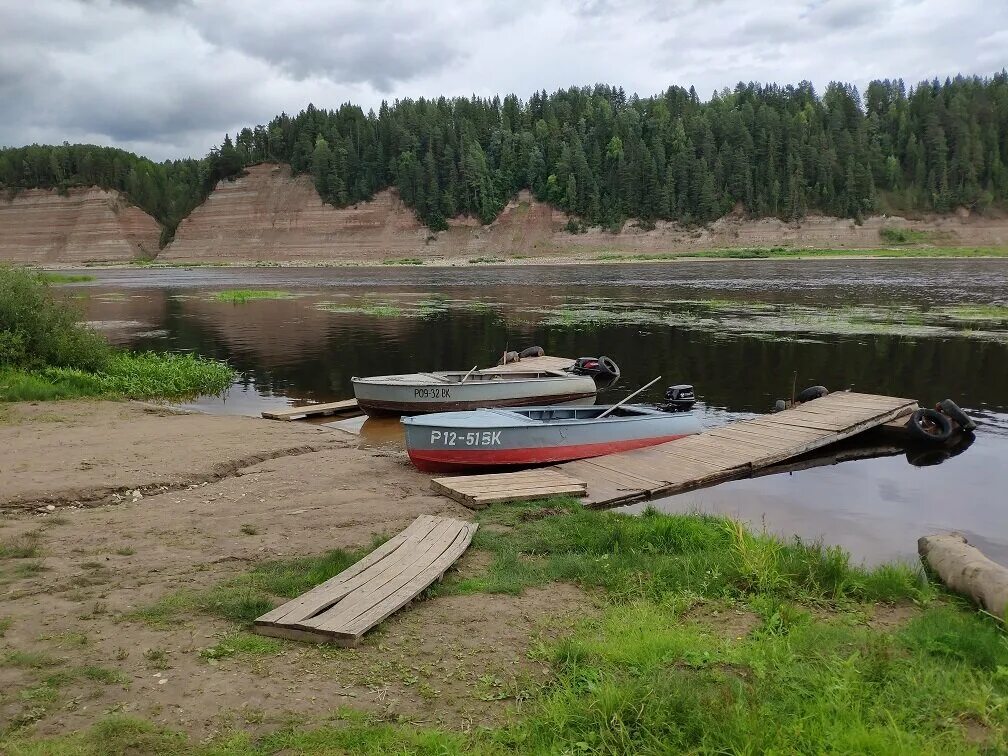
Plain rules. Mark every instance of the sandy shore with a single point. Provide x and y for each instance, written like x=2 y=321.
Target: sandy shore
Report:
x=565 y=259
x=125 y=504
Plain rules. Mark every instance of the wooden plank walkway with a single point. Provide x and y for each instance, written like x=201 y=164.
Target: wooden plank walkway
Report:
x=345 y=607
x=478 y=491
x=345 y=407
x=735 y=450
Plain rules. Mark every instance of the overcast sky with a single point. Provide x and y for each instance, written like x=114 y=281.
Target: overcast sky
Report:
x=167 y=78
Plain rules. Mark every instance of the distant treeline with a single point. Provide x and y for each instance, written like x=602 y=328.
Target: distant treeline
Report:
x=604 y=156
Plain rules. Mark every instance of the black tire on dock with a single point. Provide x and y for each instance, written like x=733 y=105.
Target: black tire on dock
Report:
x=952 y=409
x=930 y=426
x=812 y=392
x=608 y=368
x=532 y=351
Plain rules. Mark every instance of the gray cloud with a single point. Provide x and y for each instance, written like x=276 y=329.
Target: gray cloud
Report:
x=169 y=77
x=156 y=6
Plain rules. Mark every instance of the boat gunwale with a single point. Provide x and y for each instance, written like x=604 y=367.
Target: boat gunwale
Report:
x=508 y=379
x=649 y=414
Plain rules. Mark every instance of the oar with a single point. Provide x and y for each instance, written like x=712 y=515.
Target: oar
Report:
x=469 y=373
x=627 y=399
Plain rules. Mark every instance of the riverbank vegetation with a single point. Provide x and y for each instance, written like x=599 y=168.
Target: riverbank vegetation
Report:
x=702 y=636
x=602 y=155
x=65 y=278
x=45 y=353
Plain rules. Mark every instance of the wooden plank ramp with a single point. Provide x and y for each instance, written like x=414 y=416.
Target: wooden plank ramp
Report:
x=731 y=451
x=344 y=407
x=478 y=491
x=343 y=608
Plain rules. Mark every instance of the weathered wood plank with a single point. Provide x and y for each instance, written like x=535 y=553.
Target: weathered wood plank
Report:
x=338 y=586
x=343 y=407
x=478 y=491
x=384 y=581
x=396 y=601
x=390 y=580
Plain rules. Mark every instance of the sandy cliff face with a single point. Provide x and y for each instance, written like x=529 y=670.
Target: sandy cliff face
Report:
x=90 y=225
x=271 y=215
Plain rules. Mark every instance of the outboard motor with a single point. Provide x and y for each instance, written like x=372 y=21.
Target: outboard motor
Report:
x=679 y=398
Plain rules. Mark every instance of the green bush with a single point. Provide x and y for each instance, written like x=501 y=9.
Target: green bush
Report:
x=37 y=330
x=45 y=353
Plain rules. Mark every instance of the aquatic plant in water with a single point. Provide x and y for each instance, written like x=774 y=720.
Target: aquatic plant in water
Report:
x=241 y=296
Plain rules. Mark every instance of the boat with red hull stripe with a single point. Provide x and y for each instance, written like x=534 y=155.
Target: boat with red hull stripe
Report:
x=487 y=438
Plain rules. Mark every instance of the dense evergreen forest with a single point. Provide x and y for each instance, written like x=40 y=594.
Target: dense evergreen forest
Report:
x=603 y=156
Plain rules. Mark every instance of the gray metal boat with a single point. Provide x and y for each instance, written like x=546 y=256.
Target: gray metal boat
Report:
x=457 y=390
x=456 y=441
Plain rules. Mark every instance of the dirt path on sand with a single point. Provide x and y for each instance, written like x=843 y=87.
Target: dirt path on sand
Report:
x=216 y=496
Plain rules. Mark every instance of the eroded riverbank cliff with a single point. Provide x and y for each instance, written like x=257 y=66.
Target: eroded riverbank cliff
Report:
x=270 y=215
x=41 y=226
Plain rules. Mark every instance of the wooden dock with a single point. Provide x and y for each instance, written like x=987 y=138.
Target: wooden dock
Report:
x=345 y=607
x=479 y=491
x=344 y=408
x=735 y=450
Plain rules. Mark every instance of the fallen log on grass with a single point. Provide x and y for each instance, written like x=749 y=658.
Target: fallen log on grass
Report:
x=965 y=569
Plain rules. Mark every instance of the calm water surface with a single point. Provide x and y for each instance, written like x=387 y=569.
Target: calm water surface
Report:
x=738 y=330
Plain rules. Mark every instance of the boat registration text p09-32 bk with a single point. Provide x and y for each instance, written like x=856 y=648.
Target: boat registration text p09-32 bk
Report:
x=432 y=392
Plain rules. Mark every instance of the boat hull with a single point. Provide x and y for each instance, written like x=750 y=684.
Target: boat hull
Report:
x=407 y=395
x=451 y=442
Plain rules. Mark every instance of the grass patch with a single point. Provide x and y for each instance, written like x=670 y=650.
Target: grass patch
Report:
x=485 y=260
x=374 y=310
x=29 y=569
x=979 y=312
x=5 y=623
x=657 y=555
x=25 y=547
x=113 y=735
x=156 y=658
x=244 y=644
x=102 y=675
x=241 y=296
x=31 y=659
x=403 y=261
x=125 y=375
x=64 y=278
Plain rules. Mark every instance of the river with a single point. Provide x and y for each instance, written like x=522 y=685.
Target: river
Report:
x=742 y=331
